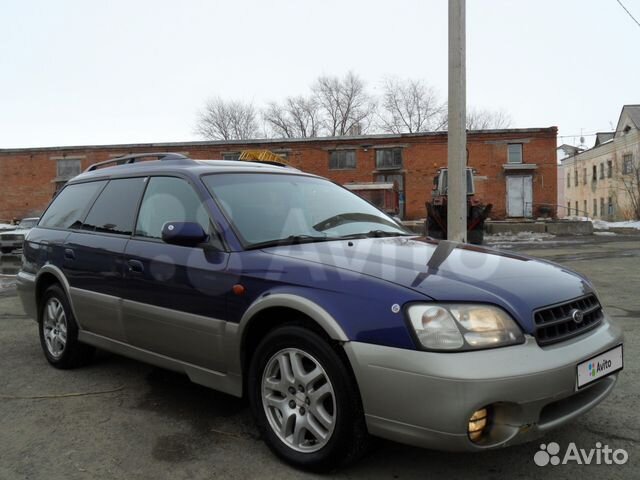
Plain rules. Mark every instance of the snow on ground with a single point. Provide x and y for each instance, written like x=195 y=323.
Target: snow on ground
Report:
x=602 y=225
x=605 y=234
x=518 y=237
x=7 y=281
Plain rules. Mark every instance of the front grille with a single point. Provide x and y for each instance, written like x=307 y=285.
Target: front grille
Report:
x=555 y=323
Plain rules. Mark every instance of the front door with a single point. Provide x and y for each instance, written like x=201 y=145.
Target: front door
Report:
x=175 y=299
x=519 y=196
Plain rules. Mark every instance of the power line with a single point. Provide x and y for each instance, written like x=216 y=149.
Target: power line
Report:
x=628 y=12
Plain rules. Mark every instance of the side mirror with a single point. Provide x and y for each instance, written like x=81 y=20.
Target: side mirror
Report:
x=187 y=234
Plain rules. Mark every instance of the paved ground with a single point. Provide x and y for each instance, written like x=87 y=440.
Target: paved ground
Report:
x=150 y=423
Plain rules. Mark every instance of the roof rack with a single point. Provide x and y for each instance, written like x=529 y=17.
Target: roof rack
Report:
x=133 y=158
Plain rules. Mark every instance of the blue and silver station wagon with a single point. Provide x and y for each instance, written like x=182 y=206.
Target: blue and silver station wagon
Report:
x=335 y=322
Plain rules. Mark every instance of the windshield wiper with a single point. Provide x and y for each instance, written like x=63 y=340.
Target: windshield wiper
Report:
x=353 y=217
x=377 y=234
x=292 y=240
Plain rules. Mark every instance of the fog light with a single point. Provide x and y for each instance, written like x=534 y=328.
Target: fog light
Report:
x=478 y=424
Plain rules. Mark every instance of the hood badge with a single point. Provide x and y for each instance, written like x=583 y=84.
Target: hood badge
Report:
x=577 y=315
x=395 y=308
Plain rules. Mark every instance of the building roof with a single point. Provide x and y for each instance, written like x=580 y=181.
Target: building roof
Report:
x=603 y=137
x=274 y=142
x=634 y=113
x=631 y=112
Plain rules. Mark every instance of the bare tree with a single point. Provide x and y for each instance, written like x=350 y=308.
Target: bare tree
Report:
x=345 y=105
x=297 y=117
x=630 y=179
x=228 y=120
x=411 y=106
x=482 y=119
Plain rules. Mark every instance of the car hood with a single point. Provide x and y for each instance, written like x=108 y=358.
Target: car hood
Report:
x=451 y=272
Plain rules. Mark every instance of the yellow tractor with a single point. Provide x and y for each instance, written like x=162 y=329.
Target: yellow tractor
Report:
x=263 y=156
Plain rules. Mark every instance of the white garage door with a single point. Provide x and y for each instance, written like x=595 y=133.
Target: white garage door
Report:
x=519 y=196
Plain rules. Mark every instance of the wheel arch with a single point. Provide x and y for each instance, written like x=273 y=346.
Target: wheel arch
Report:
x=275 y=310
x=50 y=275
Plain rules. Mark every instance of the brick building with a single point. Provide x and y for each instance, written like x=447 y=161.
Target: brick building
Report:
x=516 y=168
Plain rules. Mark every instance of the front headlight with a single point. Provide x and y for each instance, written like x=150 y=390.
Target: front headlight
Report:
x=459 y=327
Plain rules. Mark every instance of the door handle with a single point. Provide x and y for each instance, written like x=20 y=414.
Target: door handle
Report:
x=135 y=266
x=69 y=254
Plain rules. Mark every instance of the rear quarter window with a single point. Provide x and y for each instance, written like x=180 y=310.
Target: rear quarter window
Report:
x=70 y=205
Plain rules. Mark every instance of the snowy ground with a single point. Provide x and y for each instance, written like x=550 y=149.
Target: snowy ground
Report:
x=602 y=225
x=500 y=239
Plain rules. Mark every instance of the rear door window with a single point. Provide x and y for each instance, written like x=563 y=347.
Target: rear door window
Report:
x=69 y=207
x=169 y=199
x=115 y=209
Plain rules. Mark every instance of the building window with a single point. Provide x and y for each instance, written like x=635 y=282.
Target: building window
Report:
x=595 y=207
x=514 y=153
x=568 y=179
x=602 y=171
x=388 y=158
x=584 y=208
x=627 y=164
x=231 y=156
x=68 y=168
x=584 y=176
x=575 y=180
x=577 y=208
x=568 y=209
x=609 y=168
x=610 y=208
x=594 y=174
x=342 y=160
x=601 y=207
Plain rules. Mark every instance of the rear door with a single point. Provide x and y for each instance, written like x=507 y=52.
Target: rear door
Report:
x=175 y=296
x=93 y=257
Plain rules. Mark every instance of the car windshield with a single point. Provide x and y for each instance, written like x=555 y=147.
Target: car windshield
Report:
x=288 y=208
x=28 y=223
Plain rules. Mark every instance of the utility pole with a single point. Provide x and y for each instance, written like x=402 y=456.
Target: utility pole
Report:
x=457 y=136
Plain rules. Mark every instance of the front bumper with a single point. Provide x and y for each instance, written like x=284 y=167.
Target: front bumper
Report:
x=425 y=398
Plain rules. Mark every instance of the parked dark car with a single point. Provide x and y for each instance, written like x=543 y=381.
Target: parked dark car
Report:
x=266 y=282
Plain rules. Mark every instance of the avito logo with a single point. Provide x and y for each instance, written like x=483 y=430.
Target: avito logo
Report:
x=596 y=368
x=550 y=454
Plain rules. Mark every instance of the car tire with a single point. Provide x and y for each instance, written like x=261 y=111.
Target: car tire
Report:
x=305 y=400
x=58 y=331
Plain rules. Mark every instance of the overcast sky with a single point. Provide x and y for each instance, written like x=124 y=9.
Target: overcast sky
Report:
x=88 y=72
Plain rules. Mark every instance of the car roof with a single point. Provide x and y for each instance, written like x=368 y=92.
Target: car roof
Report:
x=195 y=167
